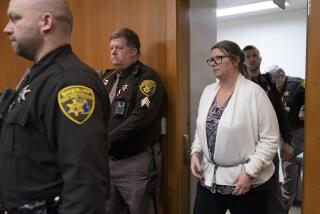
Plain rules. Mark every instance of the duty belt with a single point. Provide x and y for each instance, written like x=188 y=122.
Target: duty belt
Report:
x=48 y=206
x=116 y=157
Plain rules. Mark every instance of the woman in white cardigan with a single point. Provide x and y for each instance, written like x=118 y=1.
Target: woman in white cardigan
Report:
x=236 y=138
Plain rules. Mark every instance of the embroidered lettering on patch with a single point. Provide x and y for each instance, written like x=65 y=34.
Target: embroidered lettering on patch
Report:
x=77 y=103
x=148 y=87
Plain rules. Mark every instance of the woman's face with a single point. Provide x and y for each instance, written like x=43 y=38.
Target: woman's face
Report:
x=222 y=64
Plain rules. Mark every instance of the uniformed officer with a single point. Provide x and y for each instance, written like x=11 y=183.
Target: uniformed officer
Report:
x=54 y=126
x=136 y=96
x=292 y=92
x=253 y=61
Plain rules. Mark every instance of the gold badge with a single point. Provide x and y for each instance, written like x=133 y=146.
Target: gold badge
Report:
x=148 y=87
x=77 y=103
x=303 y=83
x=145 y=102
x=123 y=88
x=286 y=93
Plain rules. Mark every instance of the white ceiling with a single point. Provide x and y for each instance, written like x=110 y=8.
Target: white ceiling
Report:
x=231 y=3
x=294 y=5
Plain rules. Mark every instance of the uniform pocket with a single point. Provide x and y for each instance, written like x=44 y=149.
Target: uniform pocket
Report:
x=18 y=115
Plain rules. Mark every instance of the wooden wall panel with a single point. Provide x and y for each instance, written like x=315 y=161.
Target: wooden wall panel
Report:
x=96 y=20
x=11 y=67
x=311 y=177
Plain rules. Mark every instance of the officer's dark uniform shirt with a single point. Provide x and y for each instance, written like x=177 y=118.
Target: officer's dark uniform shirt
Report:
x=53 y=139
x=264 y=80
x=292 y=94
x=135 y=111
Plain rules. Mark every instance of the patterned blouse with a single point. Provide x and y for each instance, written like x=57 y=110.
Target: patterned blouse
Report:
x=212 y=123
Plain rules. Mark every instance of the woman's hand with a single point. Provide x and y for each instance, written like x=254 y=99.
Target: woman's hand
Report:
x=195 y=166
x=242 y=183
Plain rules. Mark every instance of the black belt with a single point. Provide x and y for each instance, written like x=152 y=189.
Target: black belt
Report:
x=116 y=157
x=48 y=206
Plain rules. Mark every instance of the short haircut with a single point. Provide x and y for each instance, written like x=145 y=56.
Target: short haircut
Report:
x=275 y=70
x=250 y=47
x=59 y=9
x=131 y=37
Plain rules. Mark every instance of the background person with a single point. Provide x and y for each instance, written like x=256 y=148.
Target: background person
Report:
x=292 y=91
x=235 y=141
x=53 y=130
x=136 y=94
x=253 y=62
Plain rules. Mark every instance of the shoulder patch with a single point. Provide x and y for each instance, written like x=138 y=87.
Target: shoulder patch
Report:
x=148 y=87
x=77 y=103
x=303 y=83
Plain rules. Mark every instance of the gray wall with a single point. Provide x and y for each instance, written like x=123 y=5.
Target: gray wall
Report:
x=280 y=37
x=202 y=36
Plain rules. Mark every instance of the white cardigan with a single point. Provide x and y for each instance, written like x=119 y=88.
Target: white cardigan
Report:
x=247 y=135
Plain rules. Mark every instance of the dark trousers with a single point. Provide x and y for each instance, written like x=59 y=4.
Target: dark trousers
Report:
x=253 y=202
x=276 y=202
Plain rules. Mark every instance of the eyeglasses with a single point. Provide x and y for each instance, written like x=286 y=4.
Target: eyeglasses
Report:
x=216 y=60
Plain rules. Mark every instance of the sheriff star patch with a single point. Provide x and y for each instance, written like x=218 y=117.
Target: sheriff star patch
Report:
x=77 y=103
x=148 y=87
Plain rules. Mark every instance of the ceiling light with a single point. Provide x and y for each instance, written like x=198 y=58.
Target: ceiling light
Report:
x=246 y=8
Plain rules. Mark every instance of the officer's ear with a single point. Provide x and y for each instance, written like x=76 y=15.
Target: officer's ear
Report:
x=134 y=51
x=46 y=22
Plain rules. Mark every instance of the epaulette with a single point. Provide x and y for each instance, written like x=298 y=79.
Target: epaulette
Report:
x=297 y=81
x=267 y=76
x=144 y=68
x=104 y=73
x=135 y=72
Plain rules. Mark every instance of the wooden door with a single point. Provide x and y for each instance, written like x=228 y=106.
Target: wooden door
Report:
x=311 y=175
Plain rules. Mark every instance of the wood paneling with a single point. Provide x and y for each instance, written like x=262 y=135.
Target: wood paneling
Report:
x=163 y=29
x=11 y=67
x=96 y=20
x=311 y=177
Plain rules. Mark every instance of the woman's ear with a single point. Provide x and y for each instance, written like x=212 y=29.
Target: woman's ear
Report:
x=236 y=61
